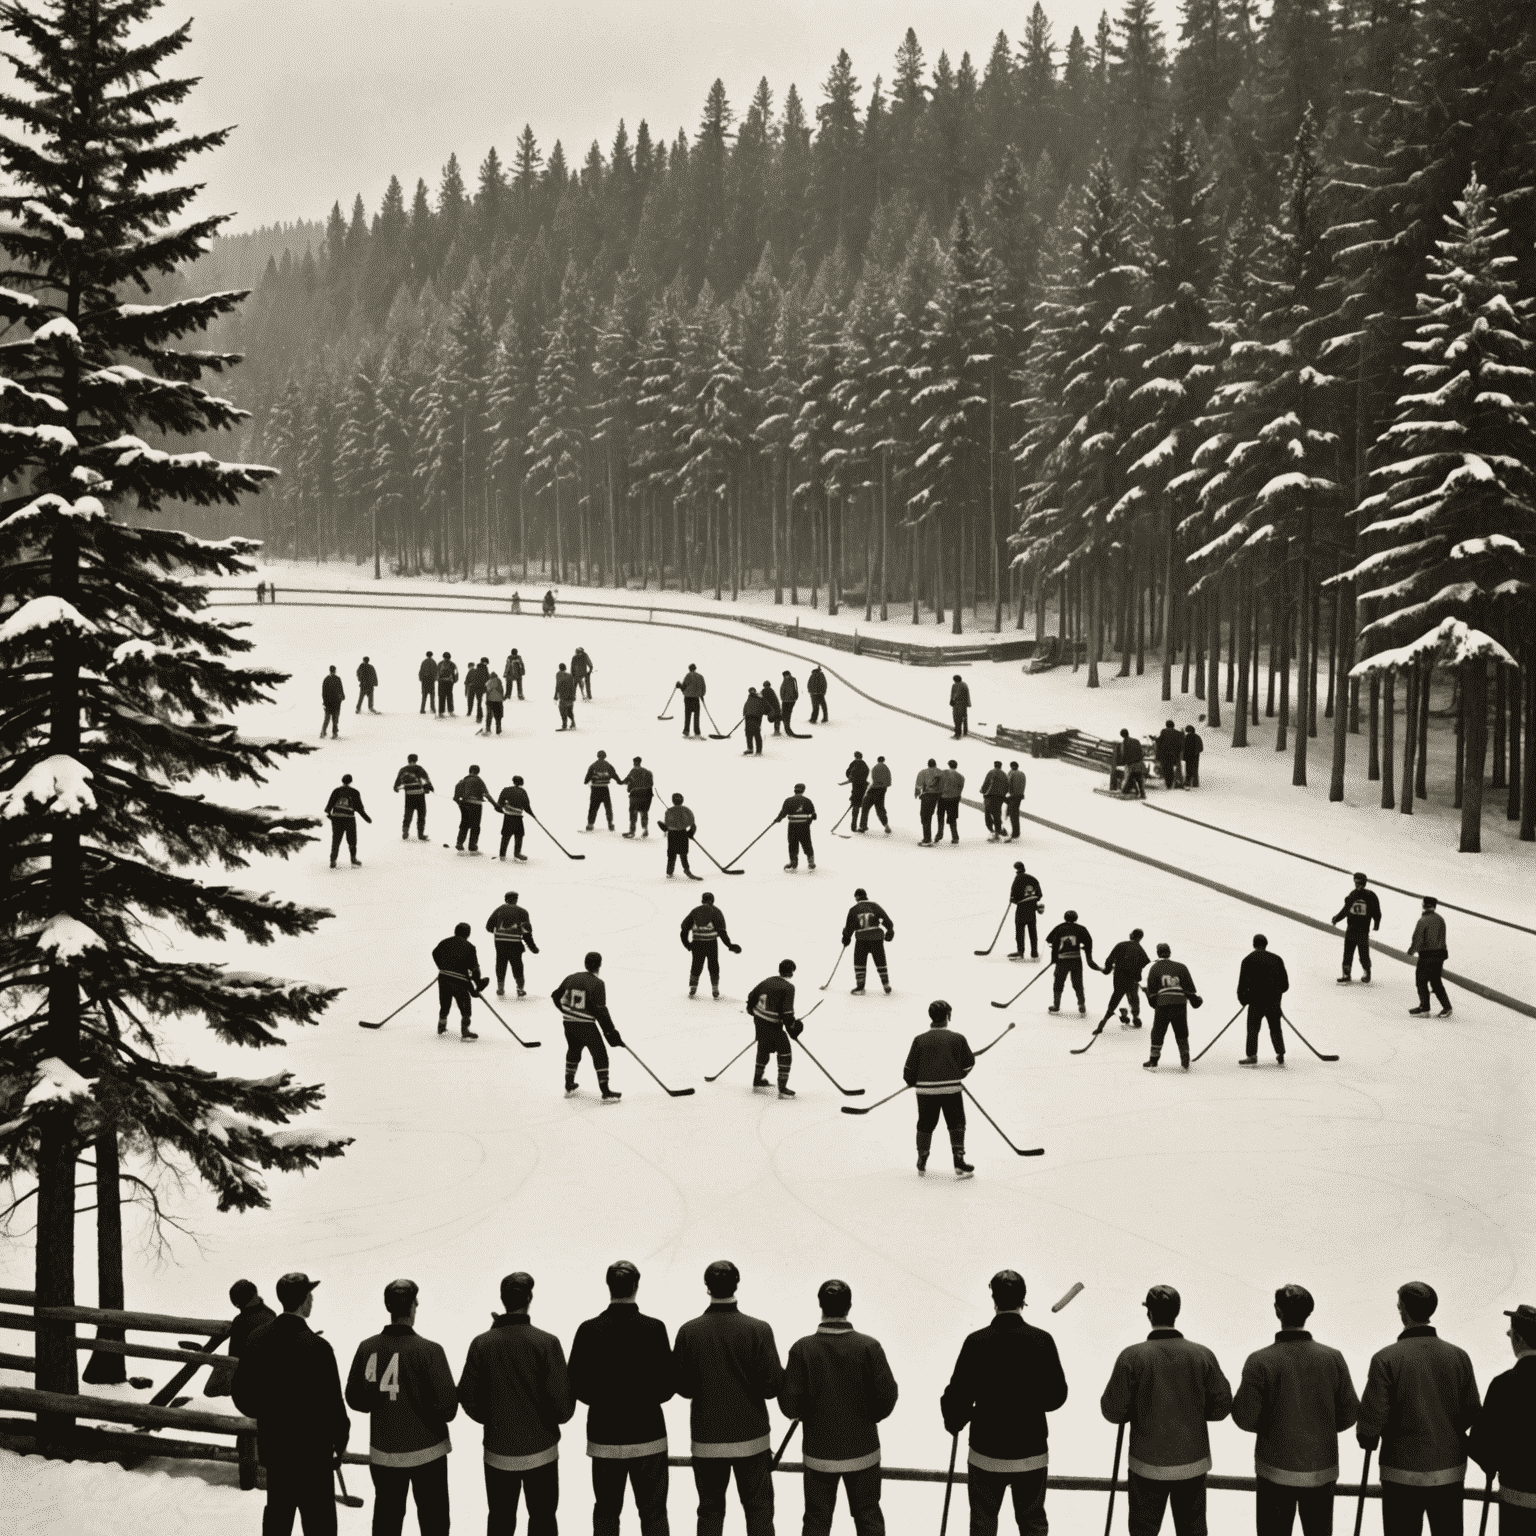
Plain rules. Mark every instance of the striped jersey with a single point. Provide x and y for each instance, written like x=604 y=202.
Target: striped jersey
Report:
x=799 y=810
x=704 y=924
x=772 y=1000
x=510 y=924
x=580 y=996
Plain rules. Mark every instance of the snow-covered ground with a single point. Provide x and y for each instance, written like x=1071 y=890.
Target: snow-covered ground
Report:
x=1409 y=1158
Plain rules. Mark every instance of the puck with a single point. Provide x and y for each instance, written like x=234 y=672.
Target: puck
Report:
x=1077 y=1286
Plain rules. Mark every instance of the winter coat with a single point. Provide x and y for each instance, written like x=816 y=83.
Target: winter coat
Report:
x=1421 y=1399
x=1167 y=1388
x=581 y=665
x=1016 y=783
x=427 y=671
x=495 y=693
x=937 y=1061
x=1297 y=1397
x=332 y=690
x=951 y=783
x=368 y=675
x=472 y=789
x=927 y=781
x=621 y=1367
x=880 y=776
x=1007 y=1378
x=995 y=785
x=692 y=685
x=1361 y=909
x=515 y=1383
x=641 y=784
x=728 y=1364
x=816 y=683
x=678 y=818
x=288 y=1382
x=514 y=668
x=1261 y=978
x=1429 y=936
x=447 y=672
x=402 y=1382
x=839 y=1385
x=754 y=708
x=565 y=687
x=1501 y=1439
x=959 y=696
x=789 y=690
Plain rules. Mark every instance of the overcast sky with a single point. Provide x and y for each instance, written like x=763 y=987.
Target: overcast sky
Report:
x=331 y=96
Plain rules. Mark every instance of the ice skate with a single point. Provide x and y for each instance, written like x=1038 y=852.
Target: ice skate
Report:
x=468 y=1034
x=785 y=1091
x=521 y=992
x=857 y=991
x=693 y=991
x=714 y=991
x=501 y=991
x=1150 y=1065
x=887 y=986
x=1419 y=1013
x=442 y=1026
x=570 y=1087
x=963 y=1170
x=922 y=1164
x=610 y=1096
x=760 y=1082
x=1344 y=981
x=1054 y=1008
x=1444 y=1013
x=1248 y=1061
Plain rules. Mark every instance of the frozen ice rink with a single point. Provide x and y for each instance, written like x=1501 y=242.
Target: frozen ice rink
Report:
x=1409 y=1158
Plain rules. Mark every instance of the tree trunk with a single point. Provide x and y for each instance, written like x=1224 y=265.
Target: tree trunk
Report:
x=1095 y=598
x=1498 y=780
x=1344 y=625
x=1475 y=691
x=956 y=621
x=1459 y=704
x=1243 y=630
x=1168 y=611
x=1528 y=778
x=833 y=552
x=1373 y=766
x=885 y=534
x=1333 y=648
x=1410 y=737
x=1282 y=663
x=1388 y=686
x=1516 y=692
x=1306 y=671
x=1213 y=659
x=105 y=1369
x=1419 y=774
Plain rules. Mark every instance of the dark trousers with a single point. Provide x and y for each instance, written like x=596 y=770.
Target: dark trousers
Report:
x=639 y=810
x=567 y=714
x=1276 y=1507
x=511 y=832
x=1126 y=989
x=865 y=950
x=304 y=1489
x=1178 y=1017
x=332 y=720
x=1258 y=1013
x=705 y=952
x=474 y=703
x=754 y=1487
x=1357 y=943
x=962 y=722
x=469 y=823
x=647 y=1476
x=343 y=827
x=517 y=683
x=428 y=699
x=1149 y=1496
x=992 y=813
x=1067 y=970
x=818 y=707
x=874 y=801
x=677 y=848
x=926 y=806
x=1014 y=802
x=863 y=1502
x=691 y=715
x=1191 y=773
x=365 y=696
x=581 y=1037
x=855 y=801
x=494 y=711
x=950 y=810
x=786 y=709
x=1516 y=1521
x=1169 y=768
x=445 y=698
x=509 y=952
x=1426 y=977
x=1024 y=924
x=415 y=805
x=987 y=1490
x=754 y=733
x=584 y=685
x=428 y=1485
x=772 y=1041
x=541 y=1489
x=800 y=841
x=1403 y=1508
x=450 y=992
x=929 y=1107
x=599 y=800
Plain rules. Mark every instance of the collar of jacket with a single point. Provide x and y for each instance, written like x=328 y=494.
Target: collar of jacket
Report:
x=1006 y=1320
x=1419 y=1331
x=510 y=1320
x=293 y=1320
x=622 y=1301
x=1293 y=1336
x=1165 y=1333
x=834 y=1325
x=399 y=1330
x=721 y=1306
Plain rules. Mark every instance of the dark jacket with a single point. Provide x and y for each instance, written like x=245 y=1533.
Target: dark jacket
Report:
x=937 y=1061
x=402 y=1382
x=414 y=780
x=247 y=1320
x=1169 y=984
x=641 y=784
x=857 y=772
x=514 y=801
x=995 y=785
x=1296 y=1396
x=565 y=687
x=1167 y=1388
x=368 y=675
x=950 y=783
x=729 y=1365
x=1025 y=890
x=754 y=707
x=867 y=921
x=601 y=774
x=1070 y=942
x=1008 y=1377
x=515 y=1383
x=471 y=788
x=1361 y=910
x=288 y=1382
x=839 y=1385
x=332 y=690
x=693 y=685
x=510 y=924
x=1261 y=978
x=457 y=956
x=427 y=671
x=703 y=925
x=621 y=1367
x=772 y=1000
x=581 y=664
x=1127 y=959
x=346 y=803
x=959 y=696
x=1170 y=744
x=816 y=683
x=1421 y=1399
x=447 y=671
x=798 y=809
x=789 y=690
x=515 y=668
x=1192 y=745
x=1503 y=1437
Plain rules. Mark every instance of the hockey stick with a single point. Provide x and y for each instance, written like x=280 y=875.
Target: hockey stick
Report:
x=1114 y=1478
x=1320 y=1056
x=715 y=734
x=852 y=1093
x=840 y=820
x=527 y=1045
x=1022 y=1151
x=1220 y=1032
x=671 y=1093
x=551 y=836
x=1482 y=1525
x=828 y=982
x=864 y=1109
x=1365 y=1472
x=789 y=1435
x=350 y=1500
x=1077 y=1285
x=665 y=707
x=1022 y=990
x=696 y=843
x=748 y=1046
x=983 y=1051
x=949 y=1481
x=753 y=844
x=714 y=728
x=1077 y=1050
x=996 y=936
x=366 y=1024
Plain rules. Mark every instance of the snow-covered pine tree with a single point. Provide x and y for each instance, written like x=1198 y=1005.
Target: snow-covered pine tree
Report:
x=815 y=423
x=1450 y=535
x=354 y=458
x=114 y=684
x=557 y=440
x=617 y=377
x=654 y=470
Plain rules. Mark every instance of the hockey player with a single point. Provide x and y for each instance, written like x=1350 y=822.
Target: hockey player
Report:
x=692 y=687
x=1429 y=946
x=728 y=1364
x=752 y=711
x=951 y=785
x=789 y=696
x=458 y=979
x=475 y=676
x=839 y=1384
x=994 y=791
x=515 y=1383
x=771 y=706
x=512 y=930
x=447 y=676
x=1171 y=990
x=871 y=929
x=702 y=933
x=565 y=697
x=513 y=804
x=495 y=695
x=800 y=813
x=514 y=672
x=937 y=1064
x=678 y=823
x=1261 y=983
x=367 y=681
x=583 y=1003
x=1016 y=785
x=816 y=686
x=772 y=1006
x=471 y=795
x=1361 y=914
x=1008 y=1377
x=1125 y=963
x=582 y=670
x=426 y=675
x=641 y=784
x=1025 y=894
x=415 y=781
x=856 y=777
x=874 y=797
x=344 y=807
x=403 y=1383
x=925 y=791
x=1071 y=944
x=332 y=693
x=960 y=706
x=600 y=775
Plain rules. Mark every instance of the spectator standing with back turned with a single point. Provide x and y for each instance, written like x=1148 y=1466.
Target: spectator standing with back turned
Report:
x=1429 y=947
x=816 y=687
x=1502 y=1441
x=367 y=681
x=960 y=706
x=332 y=693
